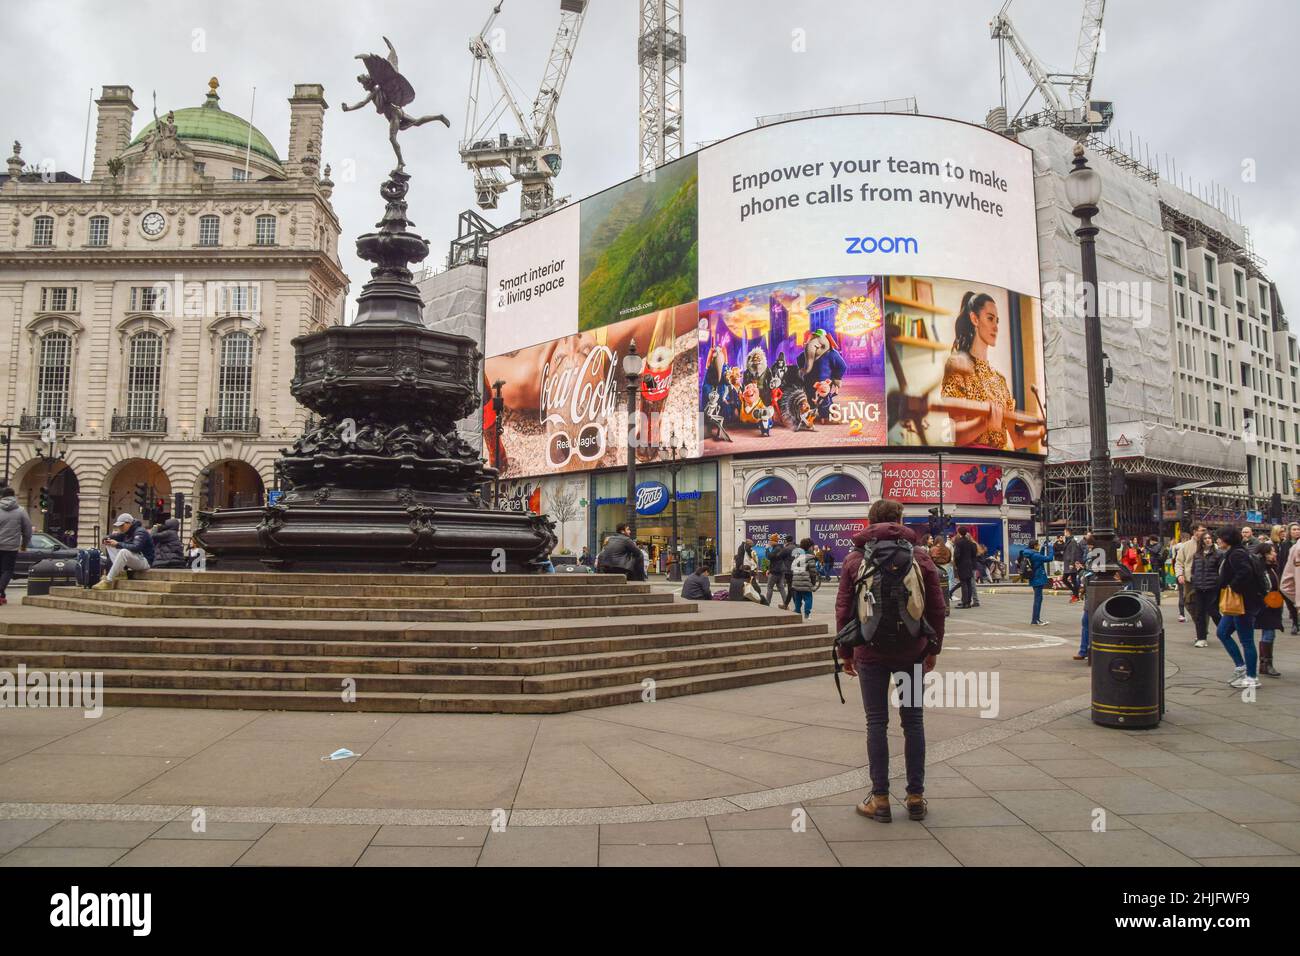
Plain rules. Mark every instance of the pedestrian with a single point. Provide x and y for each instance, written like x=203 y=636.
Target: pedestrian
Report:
x=1241 y=599
x=1269 y=620
x=1183 y=554
x=695 y=586
x=1155 y=554
x=168 y=550
x=965 y=556
x=941 y=555
x=1202 y=575
x=1038 y=561
x=585 y=558
x=129 y=547
x=876 y=670
x=1290 y=578
x=779 y=554
x=1129 y=556
x=803 y=568
x=621 y=555
x=1247 y=534
x=1289 y=555
x=15 y=536
x=1071 y=556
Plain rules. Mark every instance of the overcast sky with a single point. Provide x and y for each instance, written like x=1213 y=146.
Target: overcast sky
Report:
x=1211 y=84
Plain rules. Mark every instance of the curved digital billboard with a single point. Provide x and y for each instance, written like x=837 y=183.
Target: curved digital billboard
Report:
x=852 y=281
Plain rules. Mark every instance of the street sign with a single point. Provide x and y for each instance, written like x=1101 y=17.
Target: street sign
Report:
x=273 y=496
x=1254 y=517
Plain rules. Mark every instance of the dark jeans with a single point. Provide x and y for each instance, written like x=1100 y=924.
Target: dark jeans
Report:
x=877 y=682
x=1038 y=604
x=968 y=591
x=782 y=584
x=7 y=559
x=1244 y=626
x=1204 y=604
x=1072 y=582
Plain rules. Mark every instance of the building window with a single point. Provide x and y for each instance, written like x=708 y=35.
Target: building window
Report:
x=1214 y=365
x=235 y=381
x=43 y=231
x=209 y=230
x=1218 y=415
x=239 y=297
x=265 y=230
x=239 y=175
x=1176 y=247
x=1209 y=271
x=148 y=298
x=98 y=235
x=200 y=168
x=54 y=376
x=144 y=378
x=62 y=298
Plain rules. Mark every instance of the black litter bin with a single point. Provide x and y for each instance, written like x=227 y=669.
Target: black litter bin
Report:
x=1126 y=634
x=51 y=573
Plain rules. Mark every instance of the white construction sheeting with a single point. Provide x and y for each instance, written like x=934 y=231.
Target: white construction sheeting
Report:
x=456 y=301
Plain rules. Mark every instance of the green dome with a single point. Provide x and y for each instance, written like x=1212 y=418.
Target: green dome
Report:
x=211 y=124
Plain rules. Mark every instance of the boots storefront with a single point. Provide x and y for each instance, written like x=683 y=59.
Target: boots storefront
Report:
x=697 y=512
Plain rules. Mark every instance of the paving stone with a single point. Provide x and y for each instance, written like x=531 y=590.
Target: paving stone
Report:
x=1127 y=795
x=893 y=853
x=1245 y=805
x=1058 y=750
x=153 y=732
x=458 y=837
x=62 y=856
x=310 y=845
x=1130 y=758
x=76 y=778
x=692 y=855
x=542 y=846
x=425 y=856
x=1285 y=834
x=845 y=824
x=1092 y=767
x=1241 y=861
x=413 y=785
x=655 y=832
x=213 y=830
x=770 y=818
x=1001 y=846
x=1118 y=848
x=1284 y=785
x=571 y=775
x=14 y=833
x=772 y=848
x=186 y=853
x=95 y=833
x=1011 y=778
x=969 y=812
x=1239 y=762
x=988 y=756
x=1056 y=809
x=1205 y=834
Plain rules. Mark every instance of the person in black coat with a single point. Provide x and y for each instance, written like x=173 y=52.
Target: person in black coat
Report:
x=168 y=551
x=965 y=558
x=1238 y=571
x=1203 y=581
x=695 y=586
x=621 y=556
x=1269 y=619
x=779 y=556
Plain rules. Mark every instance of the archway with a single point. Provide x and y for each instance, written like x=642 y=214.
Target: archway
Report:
x=134 y=478
x=230 y=483
x=61 y=495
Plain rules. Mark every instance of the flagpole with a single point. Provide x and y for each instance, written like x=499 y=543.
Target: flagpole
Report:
x=248 y=147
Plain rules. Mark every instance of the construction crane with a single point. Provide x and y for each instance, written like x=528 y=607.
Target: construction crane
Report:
x=1074 y=111
x=529 y=156
x=661 y=54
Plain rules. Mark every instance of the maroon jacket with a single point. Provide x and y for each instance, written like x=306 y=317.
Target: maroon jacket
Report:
x=935 y=605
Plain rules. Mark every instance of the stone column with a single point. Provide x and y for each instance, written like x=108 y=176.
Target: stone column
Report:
x=113 y=128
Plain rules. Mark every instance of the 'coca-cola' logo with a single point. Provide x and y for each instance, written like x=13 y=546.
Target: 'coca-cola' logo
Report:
x=575 y=395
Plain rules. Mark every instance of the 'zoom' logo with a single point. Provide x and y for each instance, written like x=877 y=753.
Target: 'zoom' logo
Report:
x=906 y=245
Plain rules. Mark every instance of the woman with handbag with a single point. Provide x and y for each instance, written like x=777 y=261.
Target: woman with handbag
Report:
x=1240 y=601
x=1269 y=620
x=1203 y=581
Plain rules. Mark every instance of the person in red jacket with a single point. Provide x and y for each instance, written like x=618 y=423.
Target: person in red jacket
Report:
x=876 y=673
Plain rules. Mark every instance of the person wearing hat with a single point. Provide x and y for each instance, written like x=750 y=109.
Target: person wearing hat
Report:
x=129 y=547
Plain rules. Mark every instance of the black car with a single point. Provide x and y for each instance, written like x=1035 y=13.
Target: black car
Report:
x=43 y=546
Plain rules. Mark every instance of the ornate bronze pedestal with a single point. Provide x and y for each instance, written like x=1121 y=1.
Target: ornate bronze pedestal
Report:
x=379 y=481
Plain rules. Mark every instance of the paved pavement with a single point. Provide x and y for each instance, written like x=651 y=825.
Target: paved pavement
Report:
x=764 y=775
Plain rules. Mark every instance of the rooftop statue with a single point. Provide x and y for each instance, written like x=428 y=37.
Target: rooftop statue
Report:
x=389 y=91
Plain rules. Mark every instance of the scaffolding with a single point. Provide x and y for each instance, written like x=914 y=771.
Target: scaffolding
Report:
x=906 y=104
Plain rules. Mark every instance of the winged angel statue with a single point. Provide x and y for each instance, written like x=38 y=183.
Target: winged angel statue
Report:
x=389 y=91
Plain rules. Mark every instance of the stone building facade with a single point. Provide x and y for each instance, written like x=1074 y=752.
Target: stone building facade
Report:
x=147 y=315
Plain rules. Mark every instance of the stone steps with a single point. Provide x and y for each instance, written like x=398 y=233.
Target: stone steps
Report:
x=404 y=643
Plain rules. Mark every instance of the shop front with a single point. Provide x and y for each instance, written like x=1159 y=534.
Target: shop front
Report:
x=697 y=513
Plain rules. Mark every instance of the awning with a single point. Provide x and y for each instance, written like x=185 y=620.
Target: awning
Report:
x=1192 y=485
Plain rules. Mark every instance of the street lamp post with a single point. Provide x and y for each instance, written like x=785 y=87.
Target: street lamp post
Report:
x=674 y=464
x=632 y=365
x=8 y=439
x=49 y=455
x=498 y=407
x=1083 y=192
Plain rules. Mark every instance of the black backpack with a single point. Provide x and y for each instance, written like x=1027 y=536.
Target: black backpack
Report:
x=881 y=592
x=1026 y=567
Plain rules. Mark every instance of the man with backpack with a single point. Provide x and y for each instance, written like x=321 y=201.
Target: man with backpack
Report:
x=889 y=612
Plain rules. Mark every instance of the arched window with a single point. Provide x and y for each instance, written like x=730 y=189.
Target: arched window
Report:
x=209 y=230
x=235 y=383
x=54 y=376
x=144 y=381
x=265 y=230
x=97 y=234
x=43 y=231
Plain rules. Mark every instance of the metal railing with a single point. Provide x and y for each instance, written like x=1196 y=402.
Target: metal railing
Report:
x=243 y=424
x=62 y=423
x=154 y=424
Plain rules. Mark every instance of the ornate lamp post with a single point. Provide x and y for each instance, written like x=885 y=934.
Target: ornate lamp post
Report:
x=1083 y=192
x=632 y=366
x=674 y=464
x=47 y=450
x=498 y=406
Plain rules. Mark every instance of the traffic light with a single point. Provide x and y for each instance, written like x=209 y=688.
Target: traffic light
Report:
x=45 y=499
x=178 y=505
x=141 y=497
x=160 y=507
x=189 y=511
x=936 y=523
x=209 y=489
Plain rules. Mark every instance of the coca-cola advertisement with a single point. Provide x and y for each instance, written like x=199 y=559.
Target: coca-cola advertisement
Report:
x=565 y=401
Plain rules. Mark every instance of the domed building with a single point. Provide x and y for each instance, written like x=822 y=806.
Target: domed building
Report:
x=153 y=308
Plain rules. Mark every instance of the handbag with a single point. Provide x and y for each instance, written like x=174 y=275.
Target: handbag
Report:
x=1230 y=602
x=1273 y=599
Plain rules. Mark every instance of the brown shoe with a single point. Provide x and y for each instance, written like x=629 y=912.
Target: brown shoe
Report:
x=876 y=807
x=915 y=806
x=1266 y=660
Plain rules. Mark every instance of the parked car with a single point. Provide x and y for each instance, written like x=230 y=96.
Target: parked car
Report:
x=43 y=546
